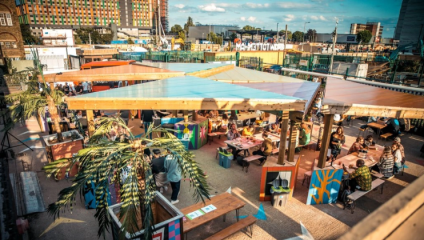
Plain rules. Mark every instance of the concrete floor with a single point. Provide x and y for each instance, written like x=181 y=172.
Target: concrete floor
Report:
x=323 y=221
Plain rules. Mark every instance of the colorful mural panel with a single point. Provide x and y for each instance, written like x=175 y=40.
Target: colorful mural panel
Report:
x=324 y=186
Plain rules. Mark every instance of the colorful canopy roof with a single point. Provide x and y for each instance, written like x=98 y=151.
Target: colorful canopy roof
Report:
x=186 y=93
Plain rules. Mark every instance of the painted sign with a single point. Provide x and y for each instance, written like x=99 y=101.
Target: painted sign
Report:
x=324 y=186
x=261 y=47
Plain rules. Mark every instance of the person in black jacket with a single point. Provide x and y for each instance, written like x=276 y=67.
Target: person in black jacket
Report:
x=147 y=117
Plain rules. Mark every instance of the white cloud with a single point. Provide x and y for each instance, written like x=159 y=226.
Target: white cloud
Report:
x=257 y=5
x=243 y=19
x=314 y=17
x=180 y=6
x=322 y=18
x=251 y=19
x=211 y=8
x=289 y=17
x=287 y=5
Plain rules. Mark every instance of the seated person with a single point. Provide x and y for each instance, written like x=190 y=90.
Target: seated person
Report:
x=266 y=148
x=224 y=123
x=233 y=133
x=369 y=141
x=249 y=130
x=361 y=178
x=272 y=128
x=392 y=126
x=96 y=113
x=356 y=146
x=386 y=164
x=79 y=114
x=304 y=136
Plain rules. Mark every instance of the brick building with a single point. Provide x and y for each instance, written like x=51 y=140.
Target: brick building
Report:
x=128 y=15
x=11 y=44
x=374 y=27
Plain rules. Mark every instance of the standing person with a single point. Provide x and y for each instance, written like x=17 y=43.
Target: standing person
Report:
x=266 y=148
x=147 y=117
x=158 y=170
x=84 y=87
x=66 y=89
x=173 y=175
x=398 y=157
x=402 y=150
x=337 y=139
x=304 y=136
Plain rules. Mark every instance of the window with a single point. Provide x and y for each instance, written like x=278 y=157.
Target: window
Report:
x=2 y=19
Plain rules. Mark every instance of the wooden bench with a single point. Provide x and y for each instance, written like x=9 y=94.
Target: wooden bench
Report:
x=230 y=230
x=385 y=136
x=215 y=134
x=377 y=174
x=253 y=158
x=358 y=194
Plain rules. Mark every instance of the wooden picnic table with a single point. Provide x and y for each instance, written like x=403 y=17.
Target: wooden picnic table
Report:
x=224 y=204
x=373 y=157
x=243 y=144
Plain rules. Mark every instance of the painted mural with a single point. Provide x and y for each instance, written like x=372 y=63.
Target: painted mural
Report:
x=324 y=186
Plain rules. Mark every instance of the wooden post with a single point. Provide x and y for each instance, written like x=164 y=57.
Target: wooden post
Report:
x=292 y=143
x=328 y=125
x=174 y=113
x=41 y=123
x=90 y=122
x=283 y=137
x=194 y=115
x=185 y=114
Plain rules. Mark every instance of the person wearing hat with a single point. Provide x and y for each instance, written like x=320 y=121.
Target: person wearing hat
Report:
x=387 y=161
x=400 y=147
x=158 y=170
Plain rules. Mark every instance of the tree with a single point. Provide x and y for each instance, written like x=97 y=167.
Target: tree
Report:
x=33 y=101
x=297 y=36
x=311 y=35
x=283 y=33
x=364 y=37
x=181 y=35
x=176 y=29
x=27 y=36
x=104 y=159
x=233 y=36
x=130 y=41
x=188 y=24
x=86 y=33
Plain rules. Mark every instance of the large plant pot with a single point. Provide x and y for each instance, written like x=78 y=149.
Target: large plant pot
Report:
x=167 y=219
x=58 y=150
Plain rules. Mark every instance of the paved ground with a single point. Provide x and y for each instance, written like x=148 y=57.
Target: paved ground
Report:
x=323 y=221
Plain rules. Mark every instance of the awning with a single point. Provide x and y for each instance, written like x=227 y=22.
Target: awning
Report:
x=186 y=93
x=118 y=73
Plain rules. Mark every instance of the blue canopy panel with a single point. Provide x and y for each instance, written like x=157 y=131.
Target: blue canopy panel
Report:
x=184 y=67
x=186 y=93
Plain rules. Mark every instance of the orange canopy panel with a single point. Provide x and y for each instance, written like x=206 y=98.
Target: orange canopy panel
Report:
x=117 y=73
x=106 y=64
x=356 y=98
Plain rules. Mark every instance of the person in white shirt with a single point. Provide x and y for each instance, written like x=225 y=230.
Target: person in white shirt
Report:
x=398 y=157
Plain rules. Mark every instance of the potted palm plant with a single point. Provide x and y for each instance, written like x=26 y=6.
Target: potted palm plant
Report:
x=33 y=100
x=101 y=163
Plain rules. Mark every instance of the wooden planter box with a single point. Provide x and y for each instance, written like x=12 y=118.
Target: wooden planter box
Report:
x=65 y=149
x=167 y=219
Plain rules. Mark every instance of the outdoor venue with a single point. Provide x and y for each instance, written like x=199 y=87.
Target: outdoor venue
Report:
x=182 y=93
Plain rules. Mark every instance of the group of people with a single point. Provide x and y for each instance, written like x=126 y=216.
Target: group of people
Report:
x=77 y=89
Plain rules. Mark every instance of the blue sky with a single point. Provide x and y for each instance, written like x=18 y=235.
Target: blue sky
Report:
x=266 y=13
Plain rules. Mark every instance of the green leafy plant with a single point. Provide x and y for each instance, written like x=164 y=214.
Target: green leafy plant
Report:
x=103 y=161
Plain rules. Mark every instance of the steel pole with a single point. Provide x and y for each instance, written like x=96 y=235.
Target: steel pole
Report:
x=330 y=69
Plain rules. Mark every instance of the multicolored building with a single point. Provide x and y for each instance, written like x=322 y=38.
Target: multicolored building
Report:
x=71 y=14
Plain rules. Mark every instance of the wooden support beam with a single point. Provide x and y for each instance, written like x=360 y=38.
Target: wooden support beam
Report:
x=283 y=137
x=90 y=121
x=84 y=103
x=185 y=114
x=292 y=143
x=194 y=117
x=369 y=110
x=210 y=72
x=328 y=125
